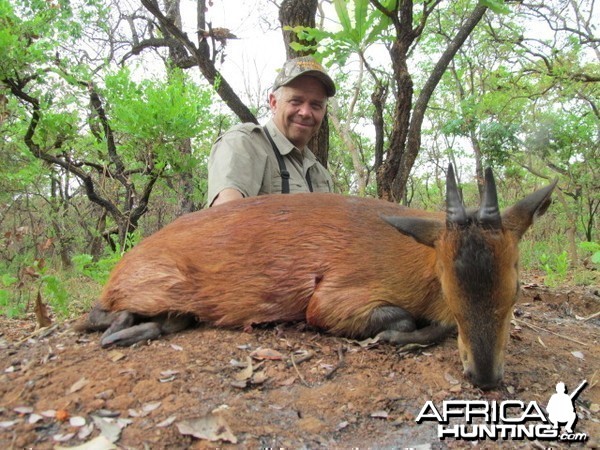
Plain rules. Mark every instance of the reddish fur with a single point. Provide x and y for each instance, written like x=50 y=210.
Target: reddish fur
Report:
x=256 y=260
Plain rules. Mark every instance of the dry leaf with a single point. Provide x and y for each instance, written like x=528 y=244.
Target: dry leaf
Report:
x=211 y=427
x=8 y=423
x=41 y=312
x=246 y=373
x=77 y=421
x=109 y=430
x=98 y=443
x=259 y=377
x=60 y=437
x=380 y=414
x=166 y=422
x=266 y=353
x=577 y=354
x=23 y=410
x=287 y=382
x=34 y=418
x=115 y=355
x=241 y=384
x=450 y=379
x=78 y=385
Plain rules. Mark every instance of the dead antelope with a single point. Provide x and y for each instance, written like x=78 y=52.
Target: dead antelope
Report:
x=355 y=267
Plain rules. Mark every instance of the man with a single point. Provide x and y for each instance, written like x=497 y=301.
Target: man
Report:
x=251 y=160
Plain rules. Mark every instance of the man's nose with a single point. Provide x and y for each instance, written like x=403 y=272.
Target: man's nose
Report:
x=304 y=109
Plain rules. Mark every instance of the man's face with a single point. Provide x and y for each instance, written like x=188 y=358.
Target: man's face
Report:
x=299 y=108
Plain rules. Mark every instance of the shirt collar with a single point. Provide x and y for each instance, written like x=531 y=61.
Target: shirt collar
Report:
x=283 y=144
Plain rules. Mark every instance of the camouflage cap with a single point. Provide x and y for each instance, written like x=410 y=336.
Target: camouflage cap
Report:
x=304 y=65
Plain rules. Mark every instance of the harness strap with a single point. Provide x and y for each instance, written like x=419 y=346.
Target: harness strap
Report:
x=285 y=175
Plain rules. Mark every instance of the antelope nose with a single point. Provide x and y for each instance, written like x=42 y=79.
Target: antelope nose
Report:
x=484 y=383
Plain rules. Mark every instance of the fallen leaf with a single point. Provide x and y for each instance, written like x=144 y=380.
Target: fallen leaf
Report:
x=23 y=410
x=85 y=431
x=34 y=418
x=211 y=427
x=149 y=407
x=342 y=425
x=266 y=353
x=259 y=377
x=98 y=443
x=177 y=347
x=109 y=430
x=241 y=384
x=380 y=414
x=167 y=376
x=41 y=312
x=169 y=373
x=166 y=422
x=364 y=343
x=246 y=373
x=287 y=382
x=577 y=354
x=450 y=379
x=9 y=423
x=77 y=421
x=456 y=388
x=78 y=385
x=115 y=355
x=60 y=437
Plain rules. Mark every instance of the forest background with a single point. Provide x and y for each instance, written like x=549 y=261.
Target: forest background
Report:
x=108 y=110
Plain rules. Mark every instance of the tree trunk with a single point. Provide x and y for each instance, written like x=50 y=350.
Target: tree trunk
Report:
x=405 y=142
x=177 y=53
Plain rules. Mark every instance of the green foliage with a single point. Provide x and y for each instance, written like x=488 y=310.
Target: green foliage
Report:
x=594 y=249
x=8 y=306
x=556 y=267
x=361 y=27
x=96 y=270
x=56 y=294
x=498 y=6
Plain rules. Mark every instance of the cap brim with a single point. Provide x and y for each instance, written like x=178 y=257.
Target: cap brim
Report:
x=323 y=78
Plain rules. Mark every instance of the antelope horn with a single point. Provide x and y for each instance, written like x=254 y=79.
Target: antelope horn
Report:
x=489 y=212
x=455 y=211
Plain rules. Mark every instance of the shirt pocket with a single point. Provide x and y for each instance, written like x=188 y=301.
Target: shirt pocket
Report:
x=320 y=181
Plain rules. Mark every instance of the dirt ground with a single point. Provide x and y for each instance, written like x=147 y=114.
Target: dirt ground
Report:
x=302 y=389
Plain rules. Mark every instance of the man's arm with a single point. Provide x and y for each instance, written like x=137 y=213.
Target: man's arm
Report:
x=226 y=195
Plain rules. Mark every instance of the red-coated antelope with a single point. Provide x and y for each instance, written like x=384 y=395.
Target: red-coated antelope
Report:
x=354 y=267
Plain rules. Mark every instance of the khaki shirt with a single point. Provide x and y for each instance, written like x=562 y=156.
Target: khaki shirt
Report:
x=243 y=159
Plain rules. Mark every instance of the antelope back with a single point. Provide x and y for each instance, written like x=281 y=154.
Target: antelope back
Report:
x=263 y=259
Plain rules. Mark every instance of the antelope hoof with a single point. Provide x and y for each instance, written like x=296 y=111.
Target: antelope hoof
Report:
x=131 y=335
x=431 y=334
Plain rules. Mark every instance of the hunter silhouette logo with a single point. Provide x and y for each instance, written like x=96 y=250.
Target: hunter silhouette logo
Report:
x=560 y=406
x=508 y=419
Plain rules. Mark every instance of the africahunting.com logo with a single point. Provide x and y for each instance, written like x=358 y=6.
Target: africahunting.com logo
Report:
x=509 y=419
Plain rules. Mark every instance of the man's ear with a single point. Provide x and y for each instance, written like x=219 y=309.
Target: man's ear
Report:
x=272 y=101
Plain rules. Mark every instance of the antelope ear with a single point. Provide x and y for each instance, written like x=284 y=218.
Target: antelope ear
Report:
x=519 y=217
x=424 y=231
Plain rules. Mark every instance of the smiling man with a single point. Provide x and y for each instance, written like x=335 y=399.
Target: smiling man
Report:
x=251 y=160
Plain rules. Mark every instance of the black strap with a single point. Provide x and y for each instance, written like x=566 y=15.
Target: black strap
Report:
x=285 y=175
